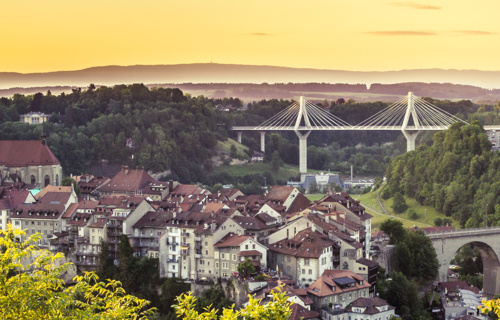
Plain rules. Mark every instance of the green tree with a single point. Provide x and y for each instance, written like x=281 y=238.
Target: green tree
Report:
x=246 y=268
x=68 y=181
x=31 y=287
x=403 y=294
x=107 y=269
x=394 y=230
x=399 y=205
x=126 y=268
x=214 y=297
x=313 y=187
x=170 y=290
x=276 y=162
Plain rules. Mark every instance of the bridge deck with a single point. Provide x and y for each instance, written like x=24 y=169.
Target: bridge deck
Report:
x=318 y=128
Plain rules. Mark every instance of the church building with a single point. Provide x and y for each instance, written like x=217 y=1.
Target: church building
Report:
x=31 y=161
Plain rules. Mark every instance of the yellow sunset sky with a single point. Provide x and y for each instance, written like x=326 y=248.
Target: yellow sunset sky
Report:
x=359 y=35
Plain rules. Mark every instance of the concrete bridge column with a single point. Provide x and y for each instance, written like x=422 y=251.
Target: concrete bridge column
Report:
x=239 y=136
x=302 y=151
x=410 y=136
x=263 y=141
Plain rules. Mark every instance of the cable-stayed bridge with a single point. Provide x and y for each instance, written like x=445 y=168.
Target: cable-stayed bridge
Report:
x=410 y=115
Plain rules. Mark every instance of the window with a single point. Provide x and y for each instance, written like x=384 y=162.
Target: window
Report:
x=345 y=266
x=345 y=253
x=234 y=257
x=310 y=271
x=306 y=262
x=246 y=247
x=253 y=246
x=303 y=271
x=222 y=255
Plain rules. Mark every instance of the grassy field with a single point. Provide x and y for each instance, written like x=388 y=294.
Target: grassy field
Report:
x=226 y=147
x=425 y=214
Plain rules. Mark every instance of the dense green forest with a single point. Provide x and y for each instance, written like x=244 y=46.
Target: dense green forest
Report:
x=458 y=175
x=162 y=129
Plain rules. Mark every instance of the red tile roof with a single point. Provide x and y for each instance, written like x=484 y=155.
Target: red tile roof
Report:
x=299 y=312
x=279 y=193
x=326 y=286
x=305 y=244
x=231 y=240
x=25 y=153
x=51 y=206
x=14 y=197
x=300 y=203
x=128 y=180
x=51 y=188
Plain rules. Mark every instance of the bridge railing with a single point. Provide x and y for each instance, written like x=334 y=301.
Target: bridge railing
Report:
x=462 y=232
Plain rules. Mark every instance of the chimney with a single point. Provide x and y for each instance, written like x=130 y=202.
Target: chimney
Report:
x=213 y=226
x=125 y=168
x=170 y=185
x=327 y=218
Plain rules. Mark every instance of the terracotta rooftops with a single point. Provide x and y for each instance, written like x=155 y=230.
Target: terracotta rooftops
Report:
x=51 y=188
x=231 y=240
x=128 y=180
x=25 y=153
x=335 y=282
x=299 y=312
x=249 y=223
x=51 y=206
x=250 y=253
x=154 y=219
x=14 y=197
x=369 y=305
x=305 y=244
x=279 y=193
x=299 y=203
x=367 y=262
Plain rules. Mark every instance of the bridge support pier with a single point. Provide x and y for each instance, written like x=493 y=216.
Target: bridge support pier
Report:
x=410 y=136
x=302 y=150
x=239 y=136
x=263 y=141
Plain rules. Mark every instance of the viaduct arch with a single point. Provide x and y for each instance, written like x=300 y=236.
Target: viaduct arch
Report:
x=487 y=240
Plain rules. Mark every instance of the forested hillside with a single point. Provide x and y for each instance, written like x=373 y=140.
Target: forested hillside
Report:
x=458 y=175
x=163 y=129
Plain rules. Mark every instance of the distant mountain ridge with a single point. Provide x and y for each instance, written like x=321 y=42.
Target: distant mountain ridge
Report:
x=232 y=73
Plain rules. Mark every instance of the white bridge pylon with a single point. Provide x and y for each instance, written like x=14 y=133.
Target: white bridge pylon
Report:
x=410 y=115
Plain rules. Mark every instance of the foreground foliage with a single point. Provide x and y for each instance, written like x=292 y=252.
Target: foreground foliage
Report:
x=31 y=287
x=277 y=309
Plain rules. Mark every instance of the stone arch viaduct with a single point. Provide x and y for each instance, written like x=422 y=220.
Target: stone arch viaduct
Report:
x=487 y=240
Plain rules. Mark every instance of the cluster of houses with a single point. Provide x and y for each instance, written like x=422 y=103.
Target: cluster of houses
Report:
x=319 y=249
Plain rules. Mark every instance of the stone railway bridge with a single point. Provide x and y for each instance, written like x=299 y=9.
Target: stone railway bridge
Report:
x=487 y=240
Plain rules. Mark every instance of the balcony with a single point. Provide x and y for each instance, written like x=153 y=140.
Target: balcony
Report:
x=198 y=256
x=185 y=234
x=172 y=261
x=185 y=253
x=153 y=248
x=197 y=246
x=197 y=238
x=184 y=244
x=172 y=243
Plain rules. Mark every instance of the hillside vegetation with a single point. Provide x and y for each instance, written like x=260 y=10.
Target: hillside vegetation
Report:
x=458 y=176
